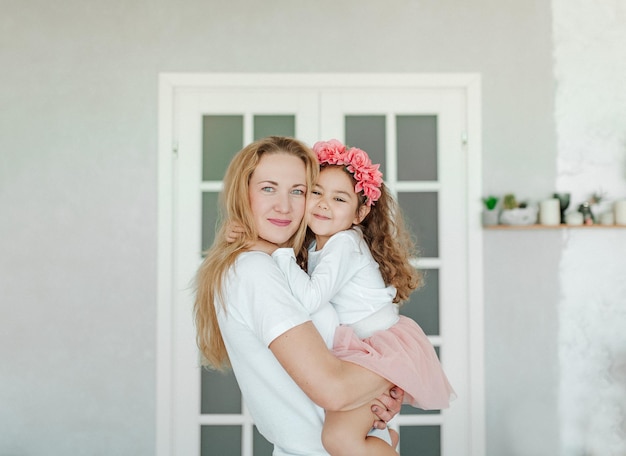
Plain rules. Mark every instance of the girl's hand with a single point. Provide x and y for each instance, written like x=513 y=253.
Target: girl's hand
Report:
x=235 y=231
x=388 y=406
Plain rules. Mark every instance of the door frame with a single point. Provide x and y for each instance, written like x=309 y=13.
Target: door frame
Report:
x=169 y=83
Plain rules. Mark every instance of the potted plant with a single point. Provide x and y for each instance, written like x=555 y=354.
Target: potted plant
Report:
x=592 y=207
x=517 y=213
x=490 y=214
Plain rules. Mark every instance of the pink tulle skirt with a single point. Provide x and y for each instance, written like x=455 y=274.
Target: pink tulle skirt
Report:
x=403 y=355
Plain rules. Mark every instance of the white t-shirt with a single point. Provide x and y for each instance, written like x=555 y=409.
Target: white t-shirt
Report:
x=259 y=308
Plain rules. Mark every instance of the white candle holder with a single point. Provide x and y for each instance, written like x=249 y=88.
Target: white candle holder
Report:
x=550 y=212
x=619 y=208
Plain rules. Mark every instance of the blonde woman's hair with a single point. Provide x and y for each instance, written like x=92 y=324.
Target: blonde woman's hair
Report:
x=235 y=208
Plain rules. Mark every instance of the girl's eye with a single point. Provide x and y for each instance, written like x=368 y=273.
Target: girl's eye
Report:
x=341 y=200
x=316 y=192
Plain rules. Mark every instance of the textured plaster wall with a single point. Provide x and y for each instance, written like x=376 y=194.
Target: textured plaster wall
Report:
x=590 y=70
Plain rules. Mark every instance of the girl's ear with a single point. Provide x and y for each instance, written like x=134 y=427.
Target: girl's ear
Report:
x=361 y=214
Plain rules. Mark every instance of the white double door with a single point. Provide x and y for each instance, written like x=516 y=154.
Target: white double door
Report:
x=417 y=127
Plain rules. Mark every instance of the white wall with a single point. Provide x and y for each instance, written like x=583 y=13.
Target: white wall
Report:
x=78 y=192
x=590 y=69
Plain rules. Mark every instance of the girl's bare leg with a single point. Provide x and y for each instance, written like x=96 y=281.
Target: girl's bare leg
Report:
x=395 y=438
x=345 y=434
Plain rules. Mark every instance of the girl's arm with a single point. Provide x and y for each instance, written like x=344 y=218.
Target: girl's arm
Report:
x=336 y=267
x=329 y=382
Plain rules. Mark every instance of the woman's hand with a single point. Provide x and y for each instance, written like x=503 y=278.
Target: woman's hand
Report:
x=387 y=406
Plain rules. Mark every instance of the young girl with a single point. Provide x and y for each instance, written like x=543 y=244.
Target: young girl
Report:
x=359 y=261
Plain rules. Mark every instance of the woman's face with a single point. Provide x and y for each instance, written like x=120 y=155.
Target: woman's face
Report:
x=277 y=193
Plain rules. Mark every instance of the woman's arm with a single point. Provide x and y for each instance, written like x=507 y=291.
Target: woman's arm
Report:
x=260 y=298
x=329 y=382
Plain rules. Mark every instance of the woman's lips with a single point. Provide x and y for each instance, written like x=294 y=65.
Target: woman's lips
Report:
x=280 y=222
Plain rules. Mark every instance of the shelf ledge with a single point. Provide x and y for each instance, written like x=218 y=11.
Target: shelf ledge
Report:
x=549 y=227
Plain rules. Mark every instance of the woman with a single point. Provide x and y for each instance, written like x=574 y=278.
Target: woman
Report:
x=246 y=315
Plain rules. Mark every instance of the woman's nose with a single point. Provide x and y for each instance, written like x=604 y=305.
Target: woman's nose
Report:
x=283 y=204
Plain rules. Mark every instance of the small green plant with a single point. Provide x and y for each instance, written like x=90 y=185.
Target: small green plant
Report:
x=509 y=201
x=490 y=202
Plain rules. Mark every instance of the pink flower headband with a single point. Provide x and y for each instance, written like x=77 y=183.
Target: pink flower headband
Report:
x=357 y=162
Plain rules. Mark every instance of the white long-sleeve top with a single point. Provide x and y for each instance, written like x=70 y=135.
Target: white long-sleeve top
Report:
x=344 y=273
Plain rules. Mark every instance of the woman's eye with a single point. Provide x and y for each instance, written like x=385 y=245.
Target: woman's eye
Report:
x=297 y=191
x=267 y=189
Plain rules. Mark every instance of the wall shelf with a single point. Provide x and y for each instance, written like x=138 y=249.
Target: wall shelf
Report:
x=548 y=227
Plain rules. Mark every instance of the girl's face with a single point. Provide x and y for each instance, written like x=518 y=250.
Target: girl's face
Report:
x=277 y=193
x=333 y=204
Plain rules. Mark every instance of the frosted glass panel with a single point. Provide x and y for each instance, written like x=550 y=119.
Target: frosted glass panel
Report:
x=220 y=440
x=261 y=447
x=421 y=212
x=417 y=147
x=423 y=304
x=274 y=126
x=210 y=212
x=219 y=392
x=423 y=307
x=222 y=138
x=420 y=440
x=367 y=133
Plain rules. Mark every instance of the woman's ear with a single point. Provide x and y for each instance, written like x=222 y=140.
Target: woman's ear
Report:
x=361 y=214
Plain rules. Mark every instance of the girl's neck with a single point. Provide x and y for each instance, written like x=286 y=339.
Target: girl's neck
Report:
x=320 y=242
